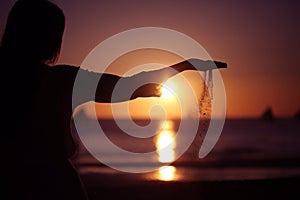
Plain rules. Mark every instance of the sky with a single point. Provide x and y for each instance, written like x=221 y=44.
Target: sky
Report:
x=259 y=40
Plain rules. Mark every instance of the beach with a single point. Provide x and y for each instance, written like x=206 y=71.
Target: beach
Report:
x=285 y=188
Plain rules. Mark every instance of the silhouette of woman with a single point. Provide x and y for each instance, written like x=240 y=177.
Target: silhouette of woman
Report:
x=37 y=103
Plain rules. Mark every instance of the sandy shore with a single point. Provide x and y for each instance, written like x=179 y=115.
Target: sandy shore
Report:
x=287 y=188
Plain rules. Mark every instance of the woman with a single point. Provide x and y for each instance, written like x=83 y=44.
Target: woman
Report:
x=37 y=103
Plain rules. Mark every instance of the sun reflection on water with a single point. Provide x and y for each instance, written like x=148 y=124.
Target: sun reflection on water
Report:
x=166 y=173
x=165 y=147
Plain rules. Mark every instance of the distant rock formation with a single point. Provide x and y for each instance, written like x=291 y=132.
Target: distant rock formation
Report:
x=268 y=114
x=297 y=115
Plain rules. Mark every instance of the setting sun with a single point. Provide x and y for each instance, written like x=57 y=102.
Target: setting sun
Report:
x=167 y=90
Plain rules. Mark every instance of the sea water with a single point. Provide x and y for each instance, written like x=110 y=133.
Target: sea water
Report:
x=247 y=149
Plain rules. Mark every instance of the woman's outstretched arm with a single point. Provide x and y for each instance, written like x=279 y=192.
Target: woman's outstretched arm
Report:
x=112 y=88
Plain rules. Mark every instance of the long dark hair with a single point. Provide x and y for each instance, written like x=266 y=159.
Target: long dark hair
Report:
x=34 y=31
x=32 y=38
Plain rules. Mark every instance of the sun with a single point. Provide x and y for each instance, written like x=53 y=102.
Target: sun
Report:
x=167 y=90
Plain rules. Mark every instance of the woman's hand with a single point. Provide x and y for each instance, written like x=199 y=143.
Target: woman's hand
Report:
x=147 y=90
x=194 y=64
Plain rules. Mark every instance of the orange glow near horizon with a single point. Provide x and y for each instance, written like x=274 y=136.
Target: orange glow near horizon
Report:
x=129 y=64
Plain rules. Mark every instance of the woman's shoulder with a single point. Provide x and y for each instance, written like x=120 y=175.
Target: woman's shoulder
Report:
x=60 y=73
x=62 y=67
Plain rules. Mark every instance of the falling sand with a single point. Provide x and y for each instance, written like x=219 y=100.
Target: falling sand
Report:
x=204 y=109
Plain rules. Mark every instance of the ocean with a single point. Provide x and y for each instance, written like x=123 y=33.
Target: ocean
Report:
x=247 y=149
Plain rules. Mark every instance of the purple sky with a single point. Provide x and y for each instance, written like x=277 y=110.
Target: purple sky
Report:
x=258 y=39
